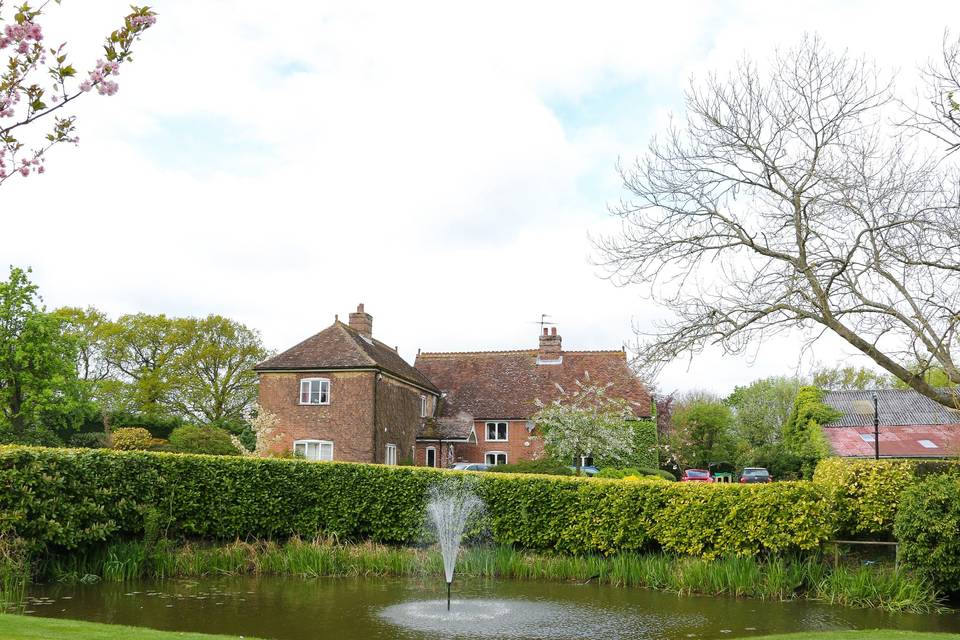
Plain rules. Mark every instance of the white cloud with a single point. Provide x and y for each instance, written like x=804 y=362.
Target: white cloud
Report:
x=279 y=166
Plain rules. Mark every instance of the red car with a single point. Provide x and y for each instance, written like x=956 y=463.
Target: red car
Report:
x=696 y=475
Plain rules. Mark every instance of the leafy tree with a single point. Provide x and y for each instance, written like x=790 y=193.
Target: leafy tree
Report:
x=840 y=377
x=215 y=382
x=701 y=431
x=802 y=435
x=39 y=391
x=38 y=83
x=762 y=408
x=586 y=421
x=209 y=440
x=785 y=200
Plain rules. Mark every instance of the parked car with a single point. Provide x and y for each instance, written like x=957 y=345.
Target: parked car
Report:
x=470 y=466
x=696 y=475
x=586 y=471
x=755 y=474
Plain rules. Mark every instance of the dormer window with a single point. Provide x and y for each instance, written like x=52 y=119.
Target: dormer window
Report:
x=314 y=391
x=496 y=432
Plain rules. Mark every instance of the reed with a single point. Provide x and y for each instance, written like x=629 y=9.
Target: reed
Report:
x=778 y=578
x=14 y=573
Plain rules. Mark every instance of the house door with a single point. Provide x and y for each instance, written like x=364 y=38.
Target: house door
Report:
x=431 y=457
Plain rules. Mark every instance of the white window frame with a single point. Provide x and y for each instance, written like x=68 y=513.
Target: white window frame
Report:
x=928 y=444
x=320 y=445
x=426 y=457
x=506 y=458
x=391 y=452
x=423 y=406
x=583 y=461
x=309 y=394
x=506 y=431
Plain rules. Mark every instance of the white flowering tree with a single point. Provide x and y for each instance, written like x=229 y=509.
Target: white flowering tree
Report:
x=264 y=425
x=586 y=421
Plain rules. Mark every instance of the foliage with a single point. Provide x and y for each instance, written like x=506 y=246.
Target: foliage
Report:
x=644 y=452
x=702 y=425
x=866 y=492
x=89 y=440
x=39 y=391
x=586 y=421
x=850 y=377
x=209 y=440
x=131 y=439
x=631 y=472
x=802 y=435
x=158 y=426
x=928 y=528
x=545 y=466
x=74 y=498
x=29 y=92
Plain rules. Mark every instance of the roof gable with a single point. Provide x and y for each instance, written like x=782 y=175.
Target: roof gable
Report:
x=340 y=347
x=506 y=384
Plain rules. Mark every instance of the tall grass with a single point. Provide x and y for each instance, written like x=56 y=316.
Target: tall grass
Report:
x=780 y=578
x=14 y=573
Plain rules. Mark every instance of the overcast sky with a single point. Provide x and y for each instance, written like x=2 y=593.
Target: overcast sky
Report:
x=442 y=163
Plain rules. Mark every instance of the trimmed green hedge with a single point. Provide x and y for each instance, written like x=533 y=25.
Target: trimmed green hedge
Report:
x=867 y=492
x=69 y=498
x=928 y=528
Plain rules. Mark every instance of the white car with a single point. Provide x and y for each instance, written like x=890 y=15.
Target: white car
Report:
x=470 y=466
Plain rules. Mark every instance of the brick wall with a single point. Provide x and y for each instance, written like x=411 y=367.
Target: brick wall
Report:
x=347 y=420
x=398 y=417
x=520 y=445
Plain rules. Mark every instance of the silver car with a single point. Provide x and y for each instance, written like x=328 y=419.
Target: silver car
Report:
x=470 y=466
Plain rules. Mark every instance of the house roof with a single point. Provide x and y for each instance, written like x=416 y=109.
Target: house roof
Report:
x=898 y=407
x=916 y=441
x=458 y=427
x=340 y=347
x=505 y=384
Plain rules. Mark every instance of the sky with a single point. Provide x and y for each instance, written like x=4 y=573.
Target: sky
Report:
x=444 y=163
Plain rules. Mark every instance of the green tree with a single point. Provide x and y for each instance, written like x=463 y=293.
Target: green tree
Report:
x=802 y=435
x=40 y=395
x=834 y=378
x=702 y=431
x=586 y=421
x=215 y=382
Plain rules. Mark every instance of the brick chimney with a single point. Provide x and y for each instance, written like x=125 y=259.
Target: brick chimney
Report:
x=362 y=322
x=550 y=349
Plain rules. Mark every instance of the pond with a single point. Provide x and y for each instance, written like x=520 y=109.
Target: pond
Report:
x=347 y=608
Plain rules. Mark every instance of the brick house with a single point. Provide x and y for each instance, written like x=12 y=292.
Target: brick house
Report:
x=489 y=398
x=344 y=395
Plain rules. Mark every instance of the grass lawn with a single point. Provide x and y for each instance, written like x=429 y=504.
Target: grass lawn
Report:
x=28 y=628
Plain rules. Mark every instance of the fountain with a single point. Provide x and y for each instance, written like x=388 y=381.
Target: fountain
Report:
x=449 y=509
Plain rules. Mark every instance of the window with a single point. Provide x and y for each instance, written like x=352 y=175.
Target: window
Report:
x=867 y=437
x=314 y=391
x=316 y=450
x=391 y=457
x=431 y=456
x=496 y=457
x=423 y=406
x=928 y=444
x=586 y=461
x=496 y=431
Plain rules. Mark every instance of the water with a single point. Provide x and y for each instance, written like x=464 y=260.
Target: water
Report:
x=286 y=608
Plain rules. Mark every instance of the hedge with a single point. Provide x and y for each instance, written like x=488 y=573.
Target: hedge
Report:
x=70 y=498
x=867 y=492
x=928 y=529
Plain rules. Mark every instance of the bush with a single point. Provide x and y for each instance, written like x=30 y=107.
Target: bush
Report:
x=70 y=498
x=131 y=439
x=159 y=426
x=928 y=528
x=867 y=492
x=89 y=440
x=208 y=440
x=617 y=474
x=545 y=466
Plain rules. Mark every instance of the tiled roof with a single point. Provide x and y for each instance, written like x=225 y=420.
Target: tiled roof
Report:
x=458 y=427
x=340 y=347
x=896 y=407
x=896 y=442
x=505 y=384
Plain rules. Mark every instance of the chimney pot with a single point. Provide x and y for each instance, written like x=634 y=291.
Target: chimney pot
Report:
x=553 y=331
x=545 y=330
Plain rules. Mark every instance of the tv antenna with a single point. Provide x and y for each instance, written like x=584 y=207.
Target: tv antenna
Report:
x=543 y=322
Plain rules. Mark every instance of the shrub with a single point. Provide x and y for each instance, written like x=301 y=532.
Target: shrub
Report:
x=803 y=437
x=89 y=440
x=867 y=492
x=131 y=439
x=208 y=440
x=545 y=466
x=928 y=528
x=617 y=474
x=70 y=498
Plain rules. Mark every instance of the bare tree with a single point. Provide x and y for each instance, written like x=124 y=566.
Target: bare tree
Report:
x=784 y=200
x=939 y=114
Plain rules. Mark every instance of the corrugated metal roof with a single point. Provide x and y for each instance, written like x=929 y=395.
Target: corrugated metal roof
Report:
x=896 y=407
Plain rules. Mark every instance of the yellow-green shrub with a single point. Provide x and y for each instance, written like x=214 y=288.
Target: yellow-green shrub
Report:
x=73 y=497
x=867 y=492
x=131 y=439
x=928 y=528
